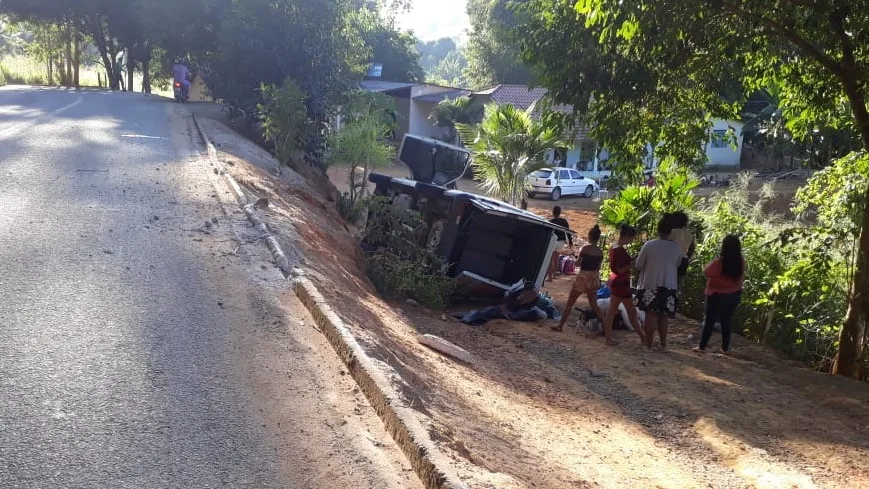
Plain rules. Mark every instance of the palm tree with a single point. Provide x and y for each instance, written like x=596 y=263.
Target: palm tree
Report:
x=461 y=110
x=507 y=146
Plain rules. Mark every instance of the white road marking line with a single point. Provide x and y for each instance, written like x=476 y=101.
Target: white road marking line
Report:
x=141 y=136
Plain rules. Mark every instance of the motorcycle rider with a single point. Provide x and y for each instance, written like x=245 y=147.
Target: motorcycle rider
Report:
x=181 y=75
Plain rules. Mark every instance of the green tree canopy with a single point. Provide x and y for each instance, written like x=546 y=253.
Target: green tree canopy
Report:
x=386 y=45
x=493 y=57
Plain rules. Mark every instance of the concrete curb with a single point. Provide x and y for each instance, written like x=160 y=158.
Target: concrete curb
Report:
x=280 y=257
x=399 y=420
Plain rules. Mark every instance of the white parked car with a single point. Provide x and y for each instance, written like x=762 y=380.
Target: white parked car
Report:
x=557 y=182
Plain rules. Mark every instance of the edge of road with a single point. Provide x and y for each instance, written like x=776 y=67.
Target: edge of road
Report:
x=429 y=464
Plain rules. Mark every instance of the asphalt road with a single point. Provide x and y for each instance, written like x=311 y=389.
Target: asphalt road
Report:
x=139 y=346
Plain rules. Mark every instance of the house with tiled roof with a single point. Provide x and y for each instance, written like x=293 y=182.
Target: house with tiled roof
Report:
x=587 y=156
x=584 y=154
x=416 y=101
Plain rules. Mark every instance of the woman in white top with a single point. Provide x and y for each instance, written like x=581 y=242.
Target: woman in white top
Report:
x=657 y=283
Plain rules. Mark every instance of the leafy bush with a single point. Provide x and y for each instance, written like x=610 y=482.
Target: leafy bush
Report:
x=351 y=211
x=796 y=286
x=397 y=265
x=362 y=141
x=2 y=76
x=284 y=119
x=642 y=207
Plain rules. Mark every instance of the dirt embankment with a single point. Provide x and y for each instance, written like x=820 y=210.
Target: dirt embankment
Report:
x=556 y=410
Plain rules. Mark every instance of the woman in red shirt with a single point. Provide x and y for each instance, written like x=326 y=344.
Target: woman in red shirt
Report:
x=724 y=279
x=620 y=284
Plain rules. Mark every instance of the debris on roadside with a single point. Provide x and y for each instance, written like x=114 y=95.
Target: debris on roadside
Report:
x=261 y=204
x=443 y=346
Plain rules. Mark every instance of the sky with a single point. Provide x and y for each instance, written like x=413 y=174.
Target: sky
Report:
x=434 y=19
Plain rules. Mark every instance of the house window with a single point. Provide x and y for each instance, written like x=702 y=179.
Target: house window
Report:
x=720 y=139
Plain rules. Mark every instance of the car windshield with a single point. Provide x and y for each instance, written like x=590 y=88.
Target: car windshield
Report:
x=542 y=173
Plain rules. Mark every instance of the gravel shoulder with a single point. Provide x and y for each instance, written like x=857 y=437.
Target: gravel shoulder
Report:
x=543 y=409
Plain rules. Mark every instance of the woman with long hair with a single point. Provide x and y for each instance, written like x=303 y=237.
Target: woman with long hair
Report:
x=587 y=280
x=725 y=276
x=620 y=284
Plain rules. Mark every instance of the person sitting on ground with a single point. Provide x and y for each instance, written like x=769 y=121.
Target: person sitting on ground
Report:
x=657 y=284
x=563 y=238
x=683 y=237
x=620 y=284
x=724 y=279
x=587 y=280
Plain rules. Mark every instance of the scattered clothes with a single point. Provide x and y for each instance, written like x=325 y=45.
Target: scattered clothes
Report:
x=482 y=316
x=521 y=303
x=604 y=292
x=547 y=305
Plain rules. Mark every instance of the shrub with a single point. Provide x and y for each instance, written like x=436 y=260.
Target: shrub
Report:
x=796 y=285
x=284 y=119
x=351 y=211
x=361 y=143
x=397 y=265
x=642 y=206
x=2 y=76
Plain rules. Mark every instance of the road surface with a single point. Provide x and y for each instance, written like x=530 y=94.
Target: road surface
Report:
x=146 y=340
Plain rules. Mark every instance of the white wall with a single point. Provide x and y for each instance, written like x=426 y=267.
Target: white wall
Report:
x=727 y=155
x=420 y=124
x=418 y=112
x=572 y=157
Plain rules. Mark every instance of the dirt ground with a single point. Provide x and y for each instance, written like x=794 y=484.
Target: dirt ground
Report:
x=556 y=410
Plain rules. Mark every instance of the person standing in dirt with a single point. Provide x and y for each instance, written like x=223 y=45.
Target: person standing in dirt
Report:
x=683 y=237
x=620 y=284
x=724 y=280
x=657 y=284
x=587 y=280
x=563 y=238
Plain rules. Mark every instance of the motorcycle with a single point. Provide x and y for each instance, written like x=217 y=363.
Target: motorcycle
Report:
x=181 y=95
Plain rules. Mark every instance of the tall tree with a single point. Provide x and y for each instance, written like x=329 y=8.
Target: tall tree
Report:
x=386 y=45
x=268 y=41
x=654 y=70
x=451 y=70
x=431 y=53
x=492 y=55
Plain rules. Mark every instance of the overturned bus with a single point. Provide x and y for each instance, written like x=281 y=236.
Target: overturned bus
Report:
x=488 y=244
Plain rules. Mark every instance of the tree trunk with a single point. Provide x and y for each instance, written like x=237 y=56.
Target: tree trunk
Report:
x=111 y=79
x=856 y=327
x=99 y=37
x=847 y=361
x=67 y=54
x=146 y=69
x=76 y=58
x=131 y=67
